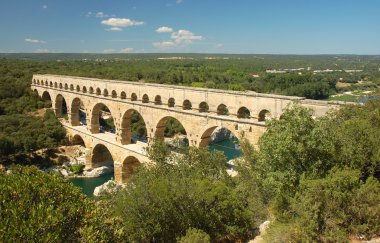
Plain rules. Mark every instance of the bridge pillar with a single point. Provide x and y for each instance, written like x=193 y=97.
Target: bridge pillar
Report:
x=118 y=170
x=88 y=159
x=93 y=125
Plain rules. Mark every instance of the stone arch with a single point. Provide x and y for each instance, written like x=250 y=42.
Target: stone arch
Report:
x=129 y=167
x=98 y=91
x=84 y=89
x=101 y=156
x=66 y=86
x=71 y=87
x=222 y=110
x=60 y=106
x=203 y=107
x=123 y=95
x=99 y=116
x=36 y=91
x=114 y=94
x=105 y=92
x=133 y=97
x=46 y=83
x=132 y=120
x=243 y=112
x=157 y=100
x=264 y=115
x=186 y=105
x=171 y=102
x=145 y=98
x=34 y=81
x=78 y=88
x=38 y=81
x=78 y=117
x=206 y=135
x=162 y=129
x=60 y=86
x=47 y=98
x=91 y=90
x=51 y=84
x=78 y=140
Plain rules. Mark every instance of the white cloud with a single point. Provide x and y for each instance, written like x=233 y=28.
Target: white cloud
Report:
x=101 y=15
x=34 y=41
x=121 y=22
x=114 y=29
x=108 y=50
x=185 y=36
x=164 y=29
x=44 y=6
x=164 y=44
x=126 y=50
x=219 y=45
x=42 y=51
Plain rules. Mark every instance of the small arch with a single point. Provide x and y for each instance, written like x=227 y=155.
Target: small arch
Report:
x=123 y=95
x=46 y=83
x=101 y=156
x=171 y=102
x=133 y=97
x=264 y=115
x=133 y=127
x=114 y=94
x=145 y=98
x=71 y=87
x=98 y=91
x=105 y=92
x=55 y=85
x=91 y=90
x=38 y=82
x=129 y=166
x=47 y=99
x=222 y=110
x=66 y=86
x=157 y=100
x=186 y=105
x=78 y=88
x=203 y=107
x=34 y=81
x=243 y=113
x=84 y=89
x=78 y=140
x=51 y=84
x=102 y=119
x=171 y=127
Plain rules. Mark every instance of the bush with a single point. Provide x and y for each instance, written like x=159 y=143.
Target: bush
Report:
x=195 y=236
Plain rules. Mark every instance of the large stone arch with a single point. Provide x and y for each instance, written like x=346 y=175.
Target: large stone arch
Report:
x=125 y=134
x=128 y=168
x=46 y=97
x=96 y=112
x=101 y=156
x=161 y=126
x=60 y=106
x=78 y=140
x=75 y=118
x=206 y=135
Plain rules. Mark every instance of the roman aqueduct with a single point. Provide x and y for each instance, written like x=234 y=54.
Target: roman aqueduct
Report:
x=200 y=111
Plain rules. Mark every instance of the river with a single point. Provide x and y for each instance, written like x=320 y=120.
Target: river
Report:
x=88 y=184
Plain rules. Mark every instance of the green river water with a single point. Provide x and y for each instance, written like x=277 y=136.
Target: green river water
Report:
x=88 y=184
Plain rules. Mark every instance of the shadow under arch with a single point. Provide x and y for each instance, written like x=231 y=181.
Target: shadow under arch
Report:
x=78 y=115
x=170 y=127
x=78 y=140
x=102 y=119
x=221 y=139
x=60 y=106
x=46 y=98
x=129 y=167
x=101 y=156
x=133 y=127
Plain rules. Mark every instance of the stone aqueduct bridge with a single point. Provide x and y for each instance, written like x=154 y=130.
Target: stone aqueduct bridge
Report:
x=199 y=110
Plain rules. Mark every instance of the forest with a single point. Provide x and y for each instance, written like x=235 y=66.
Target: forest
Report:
x=315 y=180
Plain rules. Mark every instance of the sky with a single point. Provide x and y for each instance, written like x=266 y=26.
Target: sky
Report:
x=191 y=26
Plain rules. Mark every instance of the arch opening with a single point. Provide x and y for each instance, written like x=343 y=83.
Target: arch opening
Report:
x=186 y=105
x=61 y=107
x=78 y=140
x=171 y=131
x=145 y=98
x=203 y=107
x=264 y=115
x=98 y=91
x=114 y=94
x=221 y=139
x=222 y=110
x=102 y=120
x=78 y=88
x=71 y=87
x=46 y=99
x=105 y=92
x=60 y=86
x=243 y=113
x=91 y=90
x=78 y=113
x=133 y=128
x=51 y=84
x=46 y=83
x=133 y=97
x=66 y=87
x=123 y=95
x=84 y=89
x=129 y=167
x=101 y=156
x=171 y=102
x=157 y=100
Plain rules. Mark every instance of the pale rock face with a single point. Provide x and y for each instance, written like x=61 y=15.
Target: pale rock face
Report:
x=109 y=186
x=220 y=134
x=96 y=172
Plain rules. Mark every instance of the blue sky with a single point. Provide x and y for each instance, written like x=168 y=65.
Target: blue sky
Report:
x=203 y=26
